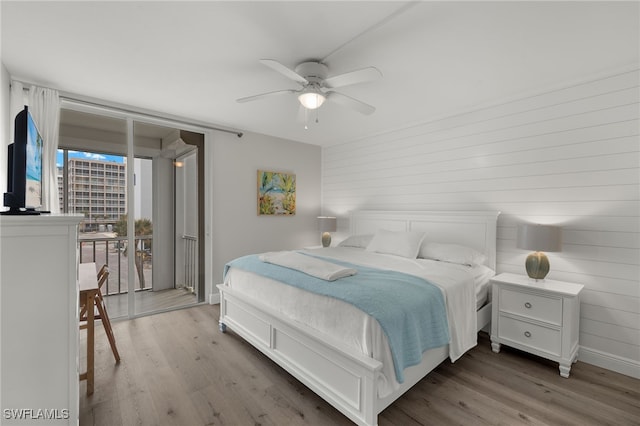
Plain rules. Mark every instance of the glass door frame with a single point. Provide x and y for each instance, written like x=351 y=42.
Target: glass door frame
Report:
x=204 y=206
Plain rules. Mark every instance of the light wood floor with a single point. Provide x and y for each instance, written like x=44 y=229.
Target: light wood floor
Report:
x=178 y=369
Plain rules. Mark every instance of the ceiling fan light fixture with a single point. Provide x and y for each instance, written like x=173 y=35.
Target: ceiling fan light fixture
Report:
x=316 y=86
x=311 y=98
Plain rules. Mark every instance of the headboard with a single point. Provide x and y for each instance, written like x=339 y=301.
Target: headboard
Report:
x=476 y=229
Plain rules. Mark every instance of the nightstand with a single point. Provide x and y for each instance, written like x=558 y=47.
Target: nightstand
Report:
x=539 y=317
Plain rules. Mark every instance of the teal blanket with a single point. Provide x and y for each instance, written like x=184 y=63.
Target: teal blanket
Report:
x=410 y=310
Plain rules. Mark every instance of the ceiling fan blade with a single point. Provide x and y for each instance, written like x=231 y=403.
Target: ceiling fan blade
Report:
x=359 y=76
x=350 y=102
x=265 y=95
x=287 y=72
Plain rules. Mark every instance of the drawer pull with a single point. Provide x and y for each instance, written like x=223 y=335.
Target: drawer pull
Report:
x=527 y=334
x=527 y=305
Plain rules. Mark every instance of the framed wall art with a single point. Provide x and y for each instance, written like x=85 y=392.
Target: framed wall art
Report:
x=276 y=193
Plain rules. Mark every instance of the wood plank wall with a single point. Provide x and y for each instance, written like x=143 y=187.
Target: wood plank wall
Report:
x=569 y=156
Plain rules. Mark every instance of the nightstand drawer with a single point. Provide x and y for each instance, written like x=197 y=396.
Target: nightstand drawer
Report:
x=538 y=307
x=530 y=335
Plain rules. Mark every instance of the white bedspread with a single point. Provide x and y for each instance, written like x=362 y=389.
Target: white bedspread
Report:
x=352 y=326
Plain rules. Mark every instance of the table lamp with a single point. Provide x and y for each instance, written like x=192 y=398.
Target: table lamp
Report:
x=327 y=224
x=539 y=238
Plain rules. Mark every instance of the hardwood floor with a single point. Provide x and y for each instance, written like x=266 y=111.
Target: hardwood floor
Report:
x=178 y=369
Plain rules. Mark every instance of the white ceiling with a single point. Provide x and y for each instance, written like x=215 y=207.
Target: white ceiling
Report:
x=193 y=60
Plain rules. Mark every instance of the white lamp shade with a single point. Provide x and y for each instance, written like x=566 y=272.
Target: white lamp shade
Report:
x=311 y=99
x=327 y=223
x=539 y=237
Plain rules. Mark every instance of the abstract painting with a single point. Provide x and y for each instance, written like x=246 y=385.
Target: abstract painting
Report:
x=276 y=193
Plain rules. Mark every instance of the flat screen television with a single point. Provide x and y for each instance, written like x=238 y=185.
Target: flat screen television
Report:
x=24 y=171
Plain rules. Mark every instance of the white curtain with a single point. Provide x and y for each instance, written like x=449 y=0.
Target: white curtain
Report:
x=44 y=105
x=17 y=102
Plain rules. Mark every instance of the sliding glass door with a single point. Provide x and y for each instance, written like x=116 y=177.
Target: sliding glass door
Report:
x=140 y=187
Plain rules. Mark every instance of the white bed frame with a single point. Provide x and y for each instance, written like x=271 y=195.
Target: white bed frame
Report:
x=343 y=377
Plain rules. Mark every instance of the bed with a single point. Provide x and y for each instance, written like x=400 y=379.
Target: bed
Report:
x=341 y=352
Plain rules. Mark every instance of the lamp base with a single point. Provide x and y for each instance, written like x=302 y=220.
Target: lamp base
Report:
x=537 y=265
x=326 y=239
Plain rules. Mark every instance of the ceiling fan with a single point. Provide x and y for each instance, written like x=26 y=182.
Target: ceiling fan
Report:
x=316 y=86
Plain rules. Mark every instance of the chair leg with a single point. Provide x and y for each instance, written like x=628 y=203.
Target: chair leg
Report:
x=107 y=328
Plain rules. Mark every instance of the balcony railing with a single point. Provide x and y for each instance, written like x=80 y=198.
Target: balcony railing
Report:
x=112 y=251
x=190 y=261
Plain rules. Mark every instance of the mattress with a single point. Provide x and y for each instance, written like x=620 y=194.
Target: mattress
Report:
x=464 y=288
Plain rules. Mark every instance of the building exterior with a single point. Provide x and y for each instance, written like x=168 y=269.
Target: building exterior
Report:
x=97 y=189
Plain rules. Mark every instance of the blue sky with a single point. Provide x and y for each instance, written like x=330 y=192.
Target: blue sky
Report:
x=89 y=156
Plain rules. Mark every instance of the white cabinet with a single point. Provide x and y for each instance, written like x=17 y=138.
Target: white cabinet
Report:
x=540 y=317
x=39 y=319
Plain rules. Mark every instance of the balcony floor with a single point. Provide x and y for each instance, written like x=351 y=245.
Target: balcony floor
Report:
x=149 y=301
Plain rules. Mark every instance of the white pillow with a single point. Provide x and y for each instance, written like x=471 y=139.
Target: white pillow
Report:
x=453 y=253
x=359 y=241
x=398 y=243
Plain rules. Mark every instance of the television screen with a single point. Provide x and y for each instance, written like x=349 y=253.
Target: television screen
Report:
x=24 y=167
x=33 y=190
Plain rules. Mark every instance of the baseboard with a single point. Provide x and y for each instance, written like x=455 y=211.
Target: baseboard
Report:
x=620 y=365
x=214 y=298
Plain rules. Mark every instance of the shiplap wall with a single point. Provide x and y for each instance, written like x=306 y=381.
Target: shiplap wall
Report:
x=568 y=156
